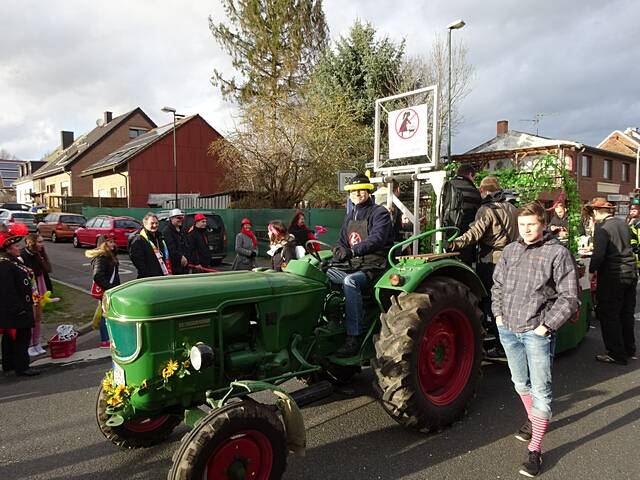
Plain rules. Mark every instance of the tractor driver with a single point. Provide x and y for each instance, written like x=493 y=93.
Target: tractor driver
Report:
x=365 y=239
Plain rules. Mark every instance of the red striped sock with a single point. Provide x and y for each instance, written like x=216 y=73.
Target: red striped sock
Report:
x=539 y=427
x=527 y=401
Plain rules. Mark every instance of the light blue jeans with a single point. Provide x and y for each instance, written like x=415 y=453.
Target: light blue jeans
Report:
x=530 y=358
x=352 y=286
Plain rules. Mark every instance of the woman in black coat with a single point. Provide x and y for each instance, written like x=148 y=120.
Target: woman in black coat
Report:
x=106 y=275
x=16 y=305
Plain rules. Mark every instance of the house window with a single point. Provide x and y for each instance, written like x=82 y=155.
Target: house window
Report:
x=586 y=166
x=114 y=192
x=51 y=189
x=123 y=192
x=625 y=172
x=64 y=191
x=136 y=132
x=606 y=169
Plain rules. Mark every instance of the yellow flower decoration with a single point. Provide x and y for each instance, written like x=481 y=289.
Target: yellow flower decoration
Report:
x=186 y=364
x=144 y=385
x=170 y=369
x=114 y=401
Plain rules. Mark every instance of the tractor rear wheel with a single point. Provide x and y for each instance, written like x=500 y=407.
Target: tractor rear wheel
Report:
x=240 y=440
x=138 y=433
x=428 y=354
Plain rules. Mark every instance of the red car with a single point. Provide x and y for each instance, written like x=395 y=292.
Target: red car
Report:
x=58 y=226
x=120 y=227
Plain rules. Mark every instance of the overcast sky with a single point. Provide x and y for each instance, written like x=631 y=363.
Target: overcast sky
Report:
x=63 y=63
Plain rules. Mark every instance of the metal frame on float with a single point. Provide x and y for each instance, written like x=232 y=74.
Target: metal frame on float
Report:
x=387 y=172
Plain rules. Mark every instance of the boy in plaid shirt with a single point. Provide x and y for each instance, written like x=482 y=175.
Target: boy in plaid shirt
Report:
x=535 y=292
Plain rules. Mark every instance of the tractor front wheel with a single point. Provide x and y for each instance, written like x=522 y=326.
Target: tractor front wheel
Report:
x=240 y=440
x=139 y=433
x=428 y=354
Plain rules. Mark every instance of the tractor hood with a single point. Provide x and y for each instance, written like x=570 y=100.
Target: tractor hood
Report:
x=184 y=295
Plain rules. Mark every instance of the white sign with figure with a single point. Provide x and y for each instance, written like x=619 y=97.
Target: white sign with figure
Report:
x=408 y=133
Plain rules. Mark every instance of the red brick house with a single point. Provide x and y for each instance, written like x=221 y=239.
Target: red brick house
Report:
x=60 y=176
x=144 y=166
x=599 y=171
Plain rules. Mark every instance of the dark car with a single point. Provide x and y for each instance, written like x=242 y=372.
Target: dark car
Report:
x=60 y=226
x=20 y=207
x=18 y=216
x=216 y=233
x=102 y=225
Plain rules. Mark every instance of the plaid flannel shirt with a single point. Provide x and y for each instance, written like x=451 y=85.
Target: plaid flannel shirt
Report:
x=535 y=284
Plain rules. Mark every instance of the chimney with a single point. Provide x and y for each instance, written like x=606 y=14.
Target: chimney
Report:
x=66 y=139
x=503 y=127
x=108 y=116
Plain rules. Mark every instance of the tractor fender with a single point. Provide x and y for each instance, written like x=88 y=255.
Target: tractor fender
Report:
x=414 y=275
x=293 y=422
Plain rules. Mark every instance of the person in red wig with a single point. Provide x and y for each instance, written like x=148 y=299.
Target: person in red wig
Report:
x=16 y=302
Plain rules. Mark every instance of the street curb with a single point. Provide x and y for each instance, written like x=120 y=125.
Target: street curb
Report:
x=75 y=287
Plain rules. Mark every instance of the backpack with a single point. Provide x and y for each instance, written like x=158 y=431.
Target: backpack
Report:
x=451 y=205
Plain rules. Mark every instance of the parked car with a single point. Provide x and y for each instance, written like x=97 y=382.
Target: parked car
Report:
x=216 y=233
x=120 y=227
x=18 y=216
x=58 y=226
x=18 y=207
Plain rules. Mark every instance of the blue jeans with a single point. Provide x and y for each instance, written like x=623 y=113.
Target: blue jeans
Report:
x=352 y=285
x=104 y=334
x=530 y=358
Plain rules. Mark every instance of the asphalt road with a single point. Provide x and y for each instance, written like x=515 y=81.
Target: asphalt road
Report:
x=48 y=430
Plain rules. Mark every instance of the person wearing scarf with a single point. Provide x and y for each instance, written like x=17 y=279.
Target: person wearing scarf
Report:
x=246 y=247
x=16 y=303
x=148 y=250
x=35 y=257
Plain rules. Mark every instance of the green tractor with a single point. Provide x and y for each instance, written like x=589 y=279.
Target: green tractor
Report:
x=195 y=348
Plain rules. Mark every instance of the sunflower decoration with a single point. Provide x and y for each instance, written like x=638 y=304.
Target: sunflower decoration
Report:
x=118 y=396
x=171 y=368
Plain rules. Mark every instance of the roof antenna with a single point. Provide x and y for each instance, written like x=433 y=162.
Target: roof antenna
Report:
x=537 y=120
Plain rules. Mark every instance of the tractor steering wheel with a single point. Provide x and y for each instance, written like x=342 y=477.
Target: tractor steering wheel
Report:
x=312 y=251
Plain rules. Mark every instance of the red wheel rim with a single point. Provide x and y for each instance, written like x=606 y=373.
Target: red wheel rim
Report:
x=445 y=356
x=145 y=424
x=247 y=454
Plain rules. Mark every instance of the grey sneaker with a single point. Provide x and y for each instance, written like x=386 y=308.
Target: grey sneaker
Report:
x=533 y=466
x=524 y=434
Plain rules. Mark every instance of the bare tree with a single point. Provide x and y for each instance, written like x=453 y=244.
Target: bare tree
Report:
x=7 y=155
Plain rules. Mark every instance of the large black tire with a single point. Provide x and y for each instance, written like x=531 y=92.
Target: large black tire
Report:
x=244 y=435
x=76 y=242
x=428 y=354
x=135 y=434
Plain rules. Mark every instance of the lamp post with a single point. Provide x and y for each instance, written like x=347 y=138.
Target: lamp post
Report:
x=458 y=24
x=175 y=162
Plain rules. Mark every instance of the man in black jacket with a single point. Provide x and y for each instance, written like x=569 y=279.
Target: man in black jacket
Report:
x=177 y=242
x=463 y=182
x=148 y=250
x=615 y=265
x=199 y=242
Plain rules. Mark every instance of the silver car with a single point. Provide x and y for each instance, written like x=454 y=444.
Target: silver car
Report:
x=8 y=217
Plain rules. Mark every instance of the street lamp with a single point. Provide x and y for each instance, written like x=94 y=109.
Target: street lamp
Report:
x=175 y=162
x=458 y=24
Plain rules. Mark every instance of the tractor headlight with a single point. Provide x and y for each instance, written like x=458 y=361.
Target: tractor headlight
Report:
x=201 y=356
x=396 y=280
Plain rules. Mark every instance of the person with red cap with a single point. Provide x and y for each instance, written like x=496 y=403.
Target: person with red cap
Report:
x=199 y=254
x=246 y=247
x=16 y=303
